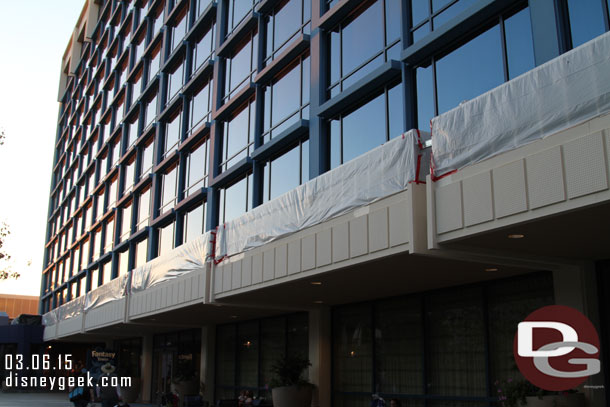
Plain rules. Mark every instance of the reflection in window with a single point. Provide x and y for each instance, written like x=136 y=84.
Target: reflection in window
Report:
x=125 y=221
x=241 y=64
x=109 y=237
x=286 y=172
x=143 y=209
x=194 y=223
x=133 y=131
x=367 y=127
x=238 y=135
x=168 y=195
x=172 y=133
x=235 y=199
x=166 y=239
x=200 y=105
x=179 y=29
x=141 y=253
x=287 y=98
x=424 y=20
x=155 y=63
x=146 y=162
x=129 y=174
x=106 y=272
x=123 y=263
x=174 y=81
x=204 y=49
x=94 y=278
x=359 y=44
x=586 y=20
x=196 y=168
x=285 y=21
x=236 y=11
x=481 y=64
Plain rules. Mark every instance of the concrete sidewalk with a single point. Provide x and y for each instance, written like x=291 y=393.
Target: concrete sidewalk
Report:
x=43 y=400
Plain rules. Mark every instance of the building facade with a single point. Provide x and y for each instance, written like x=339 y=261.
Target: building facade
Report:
x=178 y=117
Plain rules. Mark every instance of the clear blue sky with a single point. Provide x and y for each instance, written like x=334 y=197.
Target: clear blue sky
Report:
x=33 y=37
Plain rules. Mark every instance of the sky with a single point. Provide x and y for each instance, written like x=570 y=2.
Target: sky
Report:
x=33 y=37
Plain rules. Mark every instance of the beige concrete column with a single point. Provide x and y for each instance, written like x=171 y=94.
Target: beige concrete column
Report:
x=207 y=365
x=146 y=368
x=319 y=354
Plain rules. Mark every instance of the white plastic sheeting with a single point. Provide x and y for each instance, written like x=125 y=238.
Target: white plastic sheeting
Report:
x=381 y=172
x=558 y=95
x=50 y=318
x=189 y=257
x=111 y=291
x=72 y=308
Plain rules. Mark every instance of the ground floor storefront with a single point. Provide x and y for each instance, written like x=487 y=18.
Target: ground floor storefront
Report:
x=450 y=345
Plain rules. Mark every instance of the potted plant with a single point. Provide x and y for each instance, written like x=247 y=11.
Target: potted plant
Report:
x=186 y=380
x=289 y=388
x=520 y=393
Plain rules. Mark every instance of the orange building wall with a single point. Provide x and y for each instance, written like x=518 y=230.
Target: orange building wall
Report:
x=15 y=305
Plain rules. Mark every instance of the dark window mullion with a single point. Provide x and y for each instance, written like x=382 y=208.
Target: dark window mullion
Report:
x=504 y=50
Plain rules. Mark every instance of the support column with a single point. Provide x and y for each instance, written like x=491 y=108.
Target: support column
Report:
x=577 y=288
x=207 y=365
x=146 y=368
x=320 y=355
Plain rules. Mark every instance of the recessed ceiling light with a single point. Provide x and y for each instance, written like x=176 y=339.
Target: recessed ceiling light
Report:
x=318 y=302
x=234 y=316
x=516 y=236
x=316 y=283
x=491 y=269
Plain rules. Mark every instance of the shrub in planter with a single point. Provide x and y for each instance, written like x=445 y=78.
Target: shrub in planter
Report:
x=289 y=388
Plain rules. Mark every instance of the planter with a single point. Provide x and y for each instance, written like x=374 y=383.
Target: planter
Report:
x=568 y=400
x=130 y=394
x=292 y=396
x=187 y=388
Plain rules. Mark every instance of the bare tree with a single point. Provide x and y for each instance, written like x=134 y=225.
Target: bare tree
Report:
x=5 y=268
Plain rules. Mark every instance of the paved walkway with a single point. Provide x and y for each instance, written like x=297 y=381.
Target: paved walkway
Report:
x=43 y=400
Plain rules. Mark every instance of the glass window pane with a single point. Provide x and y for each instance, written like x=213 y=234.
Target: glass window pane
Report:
x=273 y=344
x=456 y=343
x=509 y=302
x=247 y=354
x=586 y=20
x=166 y=239
x=141 y=253
x=287 y=21
x=286 y=95
x=363 y=37
x=519 y=43
x=392 y=20
x=398 y=344
x=172 y=133
x=479 y=64
x=194 y=223
x=285 y=173
x=363 y=129
x=235 y=200
x=169 y=189
x=451 y=12
x=395 y=111
x=225 y=355
x=419 y=11
x=352 y=349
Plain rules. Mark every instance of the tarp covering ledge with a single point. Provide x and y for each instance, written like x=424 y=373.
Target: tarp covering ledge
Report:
x=71 y=309
x=381 y=172
x=111 y=291
x=50 y=318
x=188 y=257
x=560 y=94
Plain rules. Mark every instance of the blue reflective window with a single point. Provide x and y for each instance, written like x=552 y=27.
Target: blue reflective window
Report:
x=204 y=49
x=358 y=44
x=236 y=11
x=172 y=133
x=235 y=199
x=240 y=67
x=196 y=168
x=174 y=81
x=425 y=20
x=286 y=98
x=519 y=43
x=168 y=192
x=586 y=20
x=180 y=29
x=478 y=64
x=166 y=239
x=285 y=21
x=200 y=105
x=194 y=223
x=286 y=172
x=238 y=135
x=367 y=127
